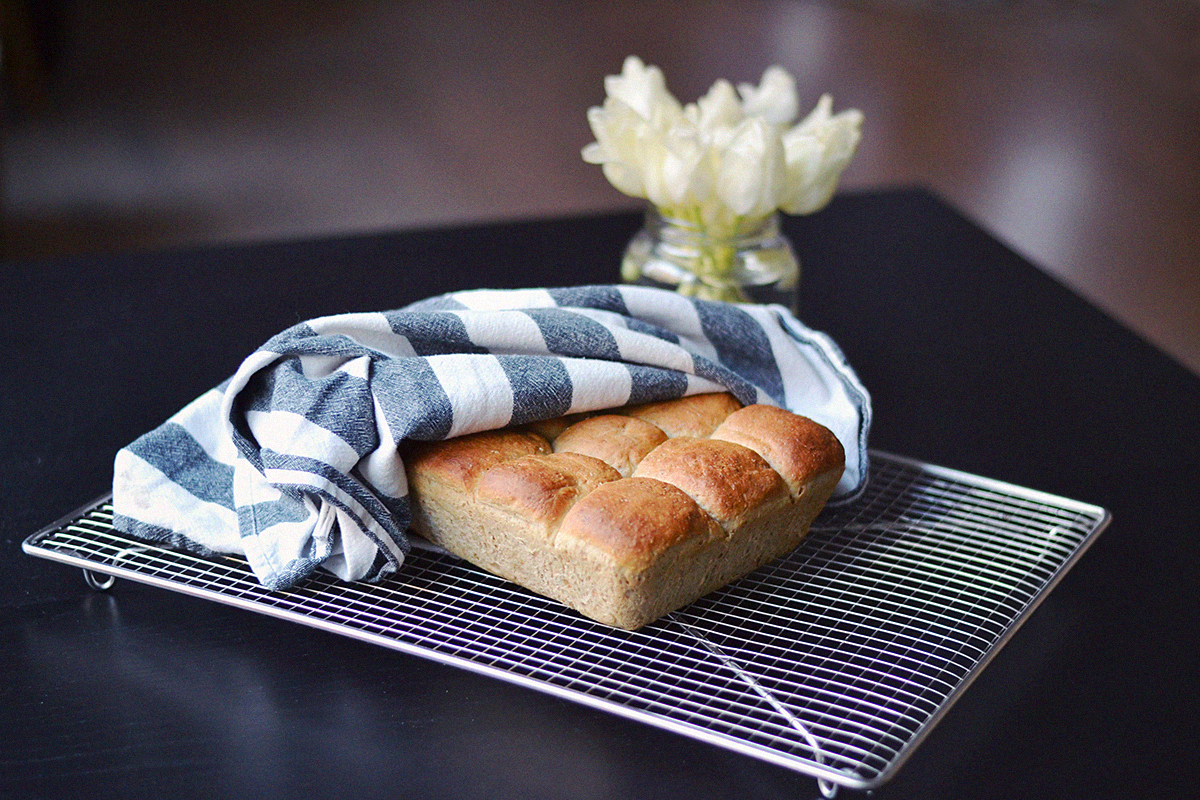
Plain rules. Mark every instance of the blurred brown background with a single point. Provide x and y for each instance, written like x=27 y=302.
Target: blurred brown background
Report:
x=1068 y=129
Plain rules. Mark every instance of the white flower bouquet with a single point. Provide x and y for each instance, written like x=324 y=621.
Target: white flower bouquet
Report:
x=717 y=174
x=733 y=156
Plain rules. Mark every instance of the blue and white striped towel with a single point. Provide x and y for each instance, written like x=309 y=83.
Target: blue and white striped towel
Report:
x=293 y=462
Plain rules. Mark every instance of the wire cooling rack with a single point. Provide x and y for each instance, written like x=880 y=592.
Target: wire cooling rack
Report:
x=835 y=661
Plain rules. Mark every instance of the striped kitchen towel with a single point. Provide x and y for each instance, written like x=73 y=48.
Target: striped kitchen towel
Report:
x=294 y=461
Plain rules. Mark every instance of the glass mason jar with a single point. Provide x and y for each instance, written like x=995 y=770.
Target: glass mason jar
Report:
x=754 y=264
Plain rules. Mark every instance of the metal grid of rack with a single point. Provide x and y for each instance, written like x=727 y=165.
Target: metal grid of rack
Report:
x=834 y=661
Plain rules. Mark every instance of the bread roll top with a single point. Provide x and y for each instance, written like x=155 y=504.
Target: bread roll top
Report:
x=541 y=488
x=731 y=482
x=463 y=460
x=634 y=520
x=795 y=447
x=617 y=440
x=697 y=415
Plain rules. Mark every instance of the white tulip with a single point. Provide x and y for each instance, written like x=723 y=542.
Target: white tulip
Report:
x=685 y=173
x=718 y=109
x=774 y=99
x=618 y=147
x=752 y=172
x=643 y=89
x=817 y=151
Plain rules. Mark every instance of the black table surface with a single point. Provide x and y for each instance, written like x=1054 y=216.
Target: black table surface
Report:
x=975 y=360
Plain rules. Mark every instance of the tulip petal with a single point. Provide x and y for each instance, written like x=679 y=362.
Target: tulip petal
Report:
x=774 y=99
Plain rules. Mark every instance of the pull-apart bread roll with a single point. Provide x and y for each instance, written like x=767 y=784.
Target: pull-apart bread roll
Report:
x=629 y=514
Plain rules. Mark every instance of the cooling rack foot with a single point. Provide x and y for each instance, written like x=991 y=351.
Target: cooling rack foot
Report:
x=98 y=581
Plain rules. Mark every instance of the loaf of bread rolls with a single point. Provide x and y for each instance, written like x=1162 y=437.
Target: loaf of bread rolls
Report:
x=629 y=514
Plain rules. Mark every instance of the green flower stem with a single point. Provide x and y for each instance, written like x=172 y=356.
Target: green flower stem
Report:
x=716 y=255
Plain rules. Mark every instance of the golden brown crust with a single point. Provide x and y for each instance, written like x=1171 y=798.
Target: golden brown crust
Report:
x=541 y=488
x=697 y=415
x=795 y=446
x=635 y=519
x=730 y=482
x=617 y=440
x=462 y=460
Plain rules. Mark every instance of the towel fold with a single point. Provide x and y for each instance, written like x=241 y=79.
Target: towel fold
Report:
x=294 y=461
